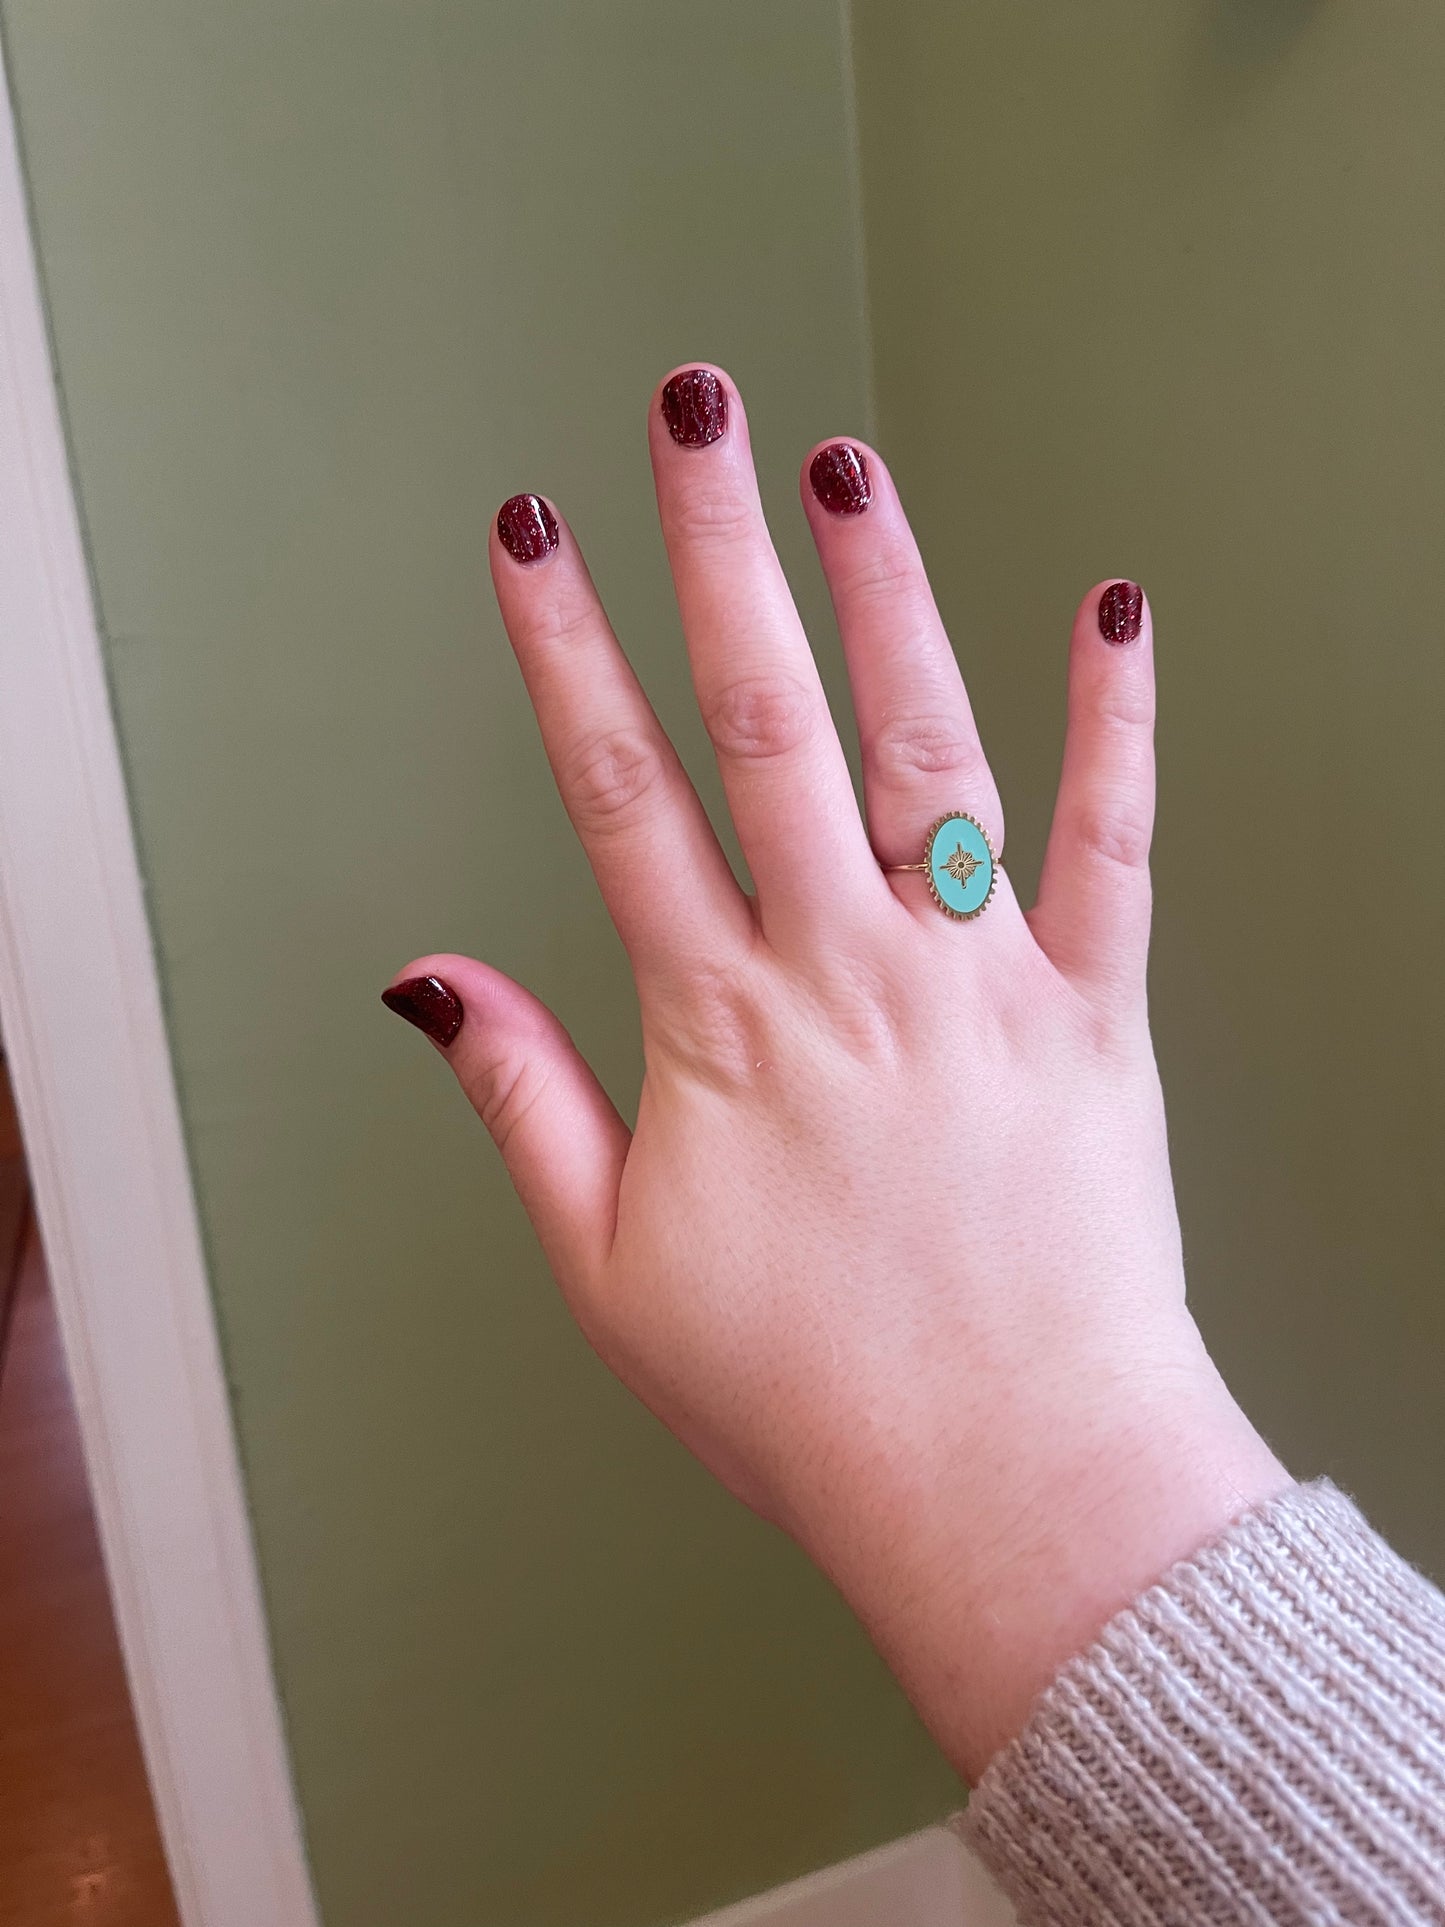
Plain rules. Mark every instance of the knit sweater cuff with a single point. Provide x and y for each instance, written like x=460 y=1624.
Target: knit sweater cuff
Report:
x=1260 y=1738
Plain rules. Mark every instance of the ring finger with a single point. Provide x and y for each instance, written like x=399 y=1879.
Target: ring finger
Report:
x=921 y=750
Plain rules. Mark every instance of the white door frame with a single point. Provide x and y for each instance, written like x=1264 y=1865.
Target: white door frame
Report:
x=81 y=1014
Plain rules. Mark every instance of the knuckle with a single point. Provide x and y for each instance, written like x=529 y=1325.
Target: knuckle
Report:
x=1116 y=1026
x=1125 y=706
x=562 y=623
x=871 y=1011
x=1116 y=833
x=888 y=575
x=734 y=1021
x=724 y=1011
x=932 y=744
x=703 y=516
x=507 y=1090
x=610 y=774
x=714 y=1030
x=759 y=717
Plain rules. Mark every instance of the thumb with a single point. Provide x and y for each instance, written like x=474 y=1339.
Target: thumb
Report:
x=559 y=1134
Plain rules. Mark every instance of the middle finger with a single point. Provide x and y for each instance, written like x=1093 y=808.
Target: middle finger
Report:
x=757 y=685
x=921 y=749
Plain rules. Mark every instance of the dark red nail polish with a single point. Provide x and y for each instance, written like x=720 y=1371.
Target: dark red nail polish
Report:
x=839 y=476
x=429 y=1004
x=1121 y=612
x=528 y=528
x=695 y=408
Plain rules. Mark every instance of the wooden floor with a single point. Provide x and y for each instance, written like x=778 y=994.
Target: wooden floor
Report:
x=78 y=1841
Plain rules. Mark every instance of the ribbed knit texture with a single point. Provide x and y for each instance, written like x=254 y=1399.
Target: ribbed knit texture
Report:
x=1259 y=1740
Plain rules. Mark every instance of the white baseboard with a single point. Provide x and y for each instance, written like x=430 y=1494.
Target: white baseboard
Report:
x=929 y=1879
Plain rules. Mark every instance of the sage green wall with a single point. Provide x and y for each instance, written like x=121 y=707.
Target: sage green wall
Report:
x=327 y=281
x=1158 y=289
x=1154 y=289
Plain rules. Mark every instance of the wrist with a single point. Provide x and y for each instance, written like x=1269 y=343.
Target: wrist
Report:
x=981 y=1567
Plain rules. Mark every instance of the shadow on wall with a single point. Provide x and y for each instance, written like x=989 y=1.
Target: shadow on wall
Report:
x=1245 y=35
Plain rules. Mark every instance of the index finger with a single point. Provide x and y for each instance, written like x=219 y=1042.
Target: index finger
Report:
x=662 y=872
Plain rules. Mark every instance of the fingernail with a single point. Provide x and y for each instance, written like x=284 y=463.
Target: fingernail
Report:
x=528 y=528
x=695 y=408
x=429 y=1004
x=1121 y=612
x=840 y=481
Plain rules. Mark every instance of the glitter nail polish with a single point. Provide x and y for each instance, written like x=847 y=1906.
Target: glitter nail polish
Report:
x=695 y=408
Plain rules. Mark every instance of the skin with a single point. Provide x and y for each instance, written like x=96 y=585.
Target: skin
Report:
x=893 y=1246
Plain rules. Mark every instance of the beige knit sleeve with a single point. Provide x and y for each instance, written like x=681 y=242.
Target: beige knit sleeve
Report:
x=1259 y=1740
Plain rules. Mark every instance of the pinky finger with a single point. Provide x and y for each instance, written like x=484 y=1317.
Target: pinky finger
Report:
x=1092 y=914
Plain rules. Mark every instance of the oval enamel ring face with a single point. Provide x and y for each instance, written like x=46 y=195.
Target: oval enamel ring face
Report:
x=962 y=869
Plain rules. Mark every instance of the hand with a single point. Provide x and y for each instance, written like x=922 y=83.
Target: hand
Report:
x=893 y=1244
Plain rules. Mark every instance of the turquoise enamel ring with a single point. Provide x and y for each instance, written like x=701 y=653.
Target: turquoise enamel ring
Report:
x=960 y=865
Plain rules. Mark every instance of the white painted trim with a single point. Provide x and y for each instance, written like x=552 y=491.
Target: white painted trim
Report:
x=81 y=1013
x=929 y=1879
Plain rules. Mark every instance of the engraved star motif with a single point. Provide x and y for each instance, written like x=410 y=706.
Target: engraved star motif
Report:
x=961 y=865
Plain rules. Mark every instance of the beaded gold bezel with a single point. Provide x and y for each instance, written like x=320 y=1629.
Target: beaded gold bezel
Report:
x=954 y=816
